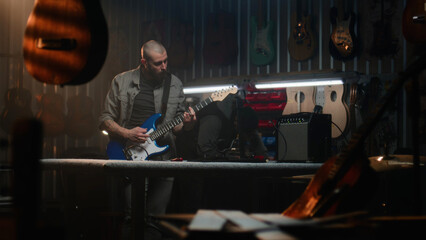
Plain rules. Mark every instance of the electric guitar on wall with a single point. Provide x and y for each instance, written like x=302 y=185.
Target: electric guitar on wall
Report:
x=65 y=42
x=301 y=43
x=142 y=151
x=343 y=42
x=262 y=50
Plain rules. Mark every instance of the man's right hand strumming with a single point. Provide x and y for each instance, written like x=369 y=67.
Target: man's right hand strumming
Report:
x=137 y=134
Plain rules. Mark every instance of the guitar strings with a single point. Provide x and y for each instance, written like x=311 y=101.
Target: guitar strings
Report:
x=179 y=119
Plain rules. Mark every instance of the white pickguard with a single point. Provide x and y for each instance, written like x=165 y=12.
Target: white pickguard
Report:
x=141 y=151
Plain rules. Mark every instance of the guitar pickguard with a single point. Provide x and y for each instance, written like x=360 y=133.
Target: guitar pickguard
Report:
x=141 y=151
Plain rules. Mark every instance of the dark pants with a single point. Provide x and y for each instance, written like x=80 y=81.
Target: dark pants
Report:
x=157 y=191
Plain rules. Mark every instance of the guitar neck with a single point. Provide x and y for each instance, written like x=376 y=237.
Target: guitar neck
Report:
x=298 y=11
x=340 y=11
x=165 y=128
x=259 y=15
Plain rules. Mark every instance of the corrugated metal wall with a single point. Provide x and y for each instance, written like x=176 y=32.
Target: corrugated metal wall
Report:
x=127 y=23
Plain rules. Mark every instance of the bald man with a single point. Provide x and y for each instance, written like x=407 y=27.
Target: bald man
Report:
x=133 y=97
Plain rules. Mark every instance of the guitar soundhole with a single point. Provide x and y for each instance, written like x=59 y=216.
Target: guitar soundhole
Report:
x=333 y=96
x=302 y=97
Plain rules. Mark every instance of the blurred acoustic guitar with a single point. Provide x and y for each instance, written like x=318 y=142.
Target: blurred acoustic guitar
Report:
x=414 y=21
x=65 y=42
x=346 y=182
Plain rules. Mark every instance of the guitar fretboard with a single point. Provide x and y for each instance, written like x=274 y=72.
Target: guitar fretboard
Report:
x=166 y=127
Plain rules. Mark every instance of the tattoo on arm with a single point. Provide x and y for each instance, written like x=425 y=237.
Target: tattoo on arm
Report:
x=113 y=127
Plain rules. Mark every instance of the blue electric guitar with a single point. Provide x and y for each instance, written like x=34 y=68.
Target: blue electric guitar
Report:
x=141 y=151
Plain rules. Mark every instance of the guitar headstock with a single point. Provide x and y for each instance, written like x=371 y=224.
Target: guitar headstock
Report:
x=222 y=94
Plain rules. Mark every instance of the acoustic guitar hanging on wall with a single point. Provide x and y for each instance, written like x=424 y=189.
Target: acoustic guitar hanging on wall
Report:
x=301 y=43
x=65 y=42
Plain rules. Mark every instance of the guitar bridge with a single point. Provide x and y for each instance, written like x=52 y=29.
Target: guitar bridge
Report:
x=127 y=152
x=135 y=152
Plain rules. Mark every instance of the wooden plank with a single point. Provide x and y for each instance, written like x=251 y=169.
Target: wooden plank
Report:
x=263 y=230
x=278 y=219
x=207 y=220
x=242 y=220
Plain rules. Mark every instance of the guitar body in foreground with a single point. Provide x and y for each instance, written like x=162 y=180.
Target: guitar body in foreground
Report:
x=137 y=151
x=142 y=151
x=341 y=184
x=65 y=42
x=322 y=197
x=414 y=21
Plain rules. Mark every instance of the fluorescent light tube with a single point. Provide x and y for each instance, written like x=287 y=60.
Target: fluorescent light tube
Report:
x=205 y=89
x=305 y=83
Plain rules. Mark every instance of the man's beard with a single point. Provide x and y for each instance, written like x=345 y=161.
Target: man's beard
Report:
x=156 y=76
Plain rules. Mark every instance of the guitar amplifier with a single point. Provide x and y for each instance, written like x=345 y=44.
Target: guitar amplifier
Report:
x=304 y=137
